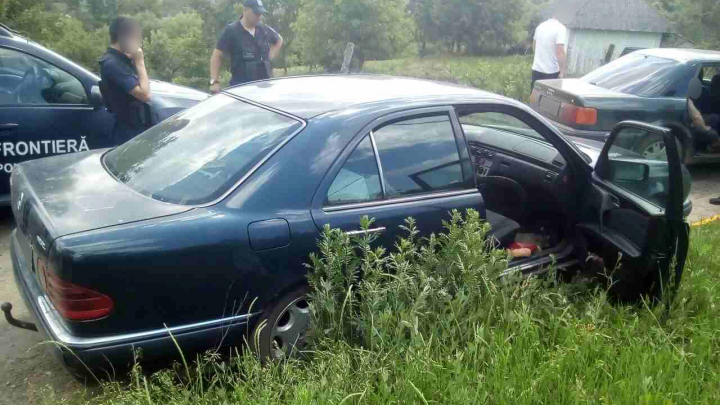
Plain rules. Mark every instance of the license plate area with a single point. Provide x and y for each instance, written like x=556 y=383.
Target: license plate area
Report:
x=549 y=105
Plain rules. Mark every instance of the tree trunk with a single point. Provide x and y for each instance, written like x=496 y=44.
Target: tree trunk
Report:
x=422 y=49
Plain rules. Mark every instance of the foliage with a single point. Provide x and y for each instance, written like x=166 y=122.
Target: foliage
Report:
x=178 y=51
x=531 y=342
x=695 y=19
x=380 y=29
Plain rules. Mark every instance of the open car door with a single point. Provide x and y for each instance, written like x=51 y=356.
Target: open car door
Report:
x=633 y=216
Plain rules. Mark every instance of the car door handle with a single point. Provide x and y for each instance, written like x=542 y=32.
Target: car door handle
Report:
x=366 y=231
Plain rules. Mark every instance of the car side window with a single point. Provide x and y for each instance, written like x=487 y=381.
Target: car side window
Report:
x=638 y=162
x=358 y=180
x=418 y=156
x=27 y=80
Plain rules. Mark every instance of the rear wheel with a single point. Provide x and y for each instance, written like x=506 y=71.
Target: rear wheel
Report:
x=652 y=147
x=281 y=330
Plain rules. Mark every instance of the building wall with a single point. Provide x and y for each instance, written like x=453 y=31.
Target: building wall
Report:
x=587 y=48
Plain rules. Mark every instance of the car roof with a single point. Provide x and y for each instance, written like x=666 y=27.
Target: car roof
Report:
x=310 y=96
x=683 y=55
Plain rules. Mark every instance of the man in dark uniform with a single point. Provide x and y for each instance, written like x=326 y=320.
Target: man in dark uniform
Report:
x=125 y=84
x=250 y=44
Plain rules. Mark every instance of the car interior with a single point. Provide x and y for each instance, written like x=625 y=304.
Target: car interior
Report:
x=29 y=81
x=708 y=101
x=523 y=180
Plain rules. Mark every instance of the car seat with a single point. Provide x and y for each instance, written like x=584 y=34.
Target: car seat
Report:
x=506 y=205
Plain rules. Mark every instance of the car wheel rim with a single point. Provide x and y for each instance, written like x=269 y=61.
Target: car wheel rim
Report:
x=655 y=151
x=288 y=333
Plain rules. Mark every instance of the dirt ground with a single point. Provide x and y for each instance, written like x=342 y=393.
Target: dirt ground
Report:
x=27 y=368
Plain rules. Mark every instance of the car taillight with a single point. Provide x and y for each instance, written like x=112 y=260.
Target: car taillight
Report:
x=72 y=301
x=573 y=114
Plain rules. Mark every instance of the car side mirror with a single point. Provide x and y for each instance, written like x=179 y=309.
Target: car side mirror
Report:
x=96 y=98
x=627 y=171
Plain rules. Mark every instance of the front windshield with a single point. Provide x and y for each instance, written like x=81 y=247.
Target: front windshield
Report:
x=199 y=154
x=642 y=75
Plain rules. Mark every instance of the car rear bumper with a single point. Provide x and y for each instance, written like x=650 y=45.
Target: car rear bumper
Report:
x=94 y=353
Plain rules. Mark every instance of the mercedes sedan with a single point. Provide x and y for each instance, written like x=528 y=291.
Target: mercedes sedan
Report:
x=200 y=227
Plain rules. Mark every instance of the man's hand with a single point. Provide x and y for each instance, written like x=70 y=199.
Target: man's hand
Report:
x=215 y=88
x=139 y=57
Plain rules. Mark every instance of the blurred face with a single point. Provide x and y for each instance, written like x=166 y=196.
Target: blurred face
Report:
x=250 y=17
x=132 y=40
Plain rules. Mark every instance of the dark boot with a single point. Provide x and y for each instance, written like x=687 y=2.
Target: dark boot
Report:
x=715 y=201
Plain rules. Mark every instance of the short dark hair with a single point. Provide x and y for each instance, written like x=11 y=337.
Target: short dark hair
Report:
x=122 y=26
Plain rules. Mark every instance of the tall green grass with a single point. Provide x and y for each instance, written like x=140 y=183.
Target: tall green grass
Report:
x=508 y=76
x=431 y=323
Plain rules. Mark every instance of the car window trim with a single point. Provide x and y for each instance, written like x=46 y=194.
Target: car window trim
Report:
x=398 y=117
x=399 y=200
x=378 y=162
x=87 y=95
x=320 y=198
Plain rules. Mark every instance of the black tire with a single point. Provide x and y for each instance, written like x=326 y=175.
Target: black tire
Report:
x=280 y=331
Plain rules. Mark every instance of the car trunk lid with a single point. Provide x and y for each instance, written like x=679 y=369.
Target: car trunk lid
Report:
x=67 y=194
x=600 y=109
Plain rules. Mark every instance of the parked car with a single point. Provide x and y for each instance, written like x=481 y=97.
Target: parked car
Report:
x=50 y=105
x=649 y=85
x=200 y=226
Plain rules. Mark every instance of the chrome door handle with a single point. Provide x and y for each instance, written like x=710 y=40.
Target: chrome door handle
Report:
x=366 y=231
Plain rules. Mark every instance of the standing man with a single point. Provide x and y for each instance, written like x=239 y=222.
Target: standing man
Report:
x=251 y=46
x=549 y=47
x=125 y=84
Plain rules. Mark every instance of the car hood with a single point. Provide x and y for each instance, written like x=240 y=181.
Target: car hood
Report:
x=591 y=148
x=74 y=193
x=173 y=90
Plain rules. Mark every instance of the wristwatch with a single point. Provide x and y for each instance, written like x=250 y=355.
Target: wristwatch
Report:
x=214 y=81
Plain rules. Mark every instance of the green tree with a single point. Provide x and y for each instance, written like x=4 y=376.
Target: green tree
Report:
x=380 y=29
x=427 y=25
x=177 y=50
x=10 y=10
x=698 y=20
x=478 y=26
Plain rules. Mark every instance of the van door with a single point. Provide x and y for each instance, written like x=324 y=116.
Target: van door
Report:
x=44 y=111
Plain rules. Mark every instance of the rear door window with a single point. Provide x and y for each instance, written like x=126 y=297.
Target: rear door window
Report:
x=419 y=155
x=643 y=75
x=200 y=154
x=358 y=180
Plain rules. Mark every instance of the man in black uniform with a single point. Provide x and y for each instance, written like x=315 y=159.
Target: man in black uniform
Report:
x=250 y=44
x=125 y=84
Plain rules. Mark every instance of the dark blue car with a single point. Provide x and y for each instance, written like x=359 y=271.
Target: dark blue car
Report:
x=50 y=106
x=200 y=226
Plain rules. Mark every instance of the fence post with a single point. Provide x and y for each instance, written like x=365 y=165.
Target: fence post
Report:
x=347 y=58
x=610 y=52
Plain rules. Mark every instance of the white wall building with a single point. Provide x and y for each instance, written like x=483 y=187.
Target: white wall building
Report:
x=600 y=23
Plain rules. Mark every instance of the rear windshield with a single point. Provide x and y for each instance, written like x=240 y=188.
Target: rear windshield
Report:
x=642 y=75
x=198 y=155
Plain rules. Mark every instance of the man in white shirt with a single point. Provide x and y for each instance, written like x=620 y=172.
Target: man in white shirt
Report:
x=549 y=46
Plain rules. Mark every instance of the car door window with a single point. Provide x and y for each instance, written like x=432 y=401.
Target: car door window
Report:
x=645 y=175
x=418 y=155
x=27 y=80
x=358 y=180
